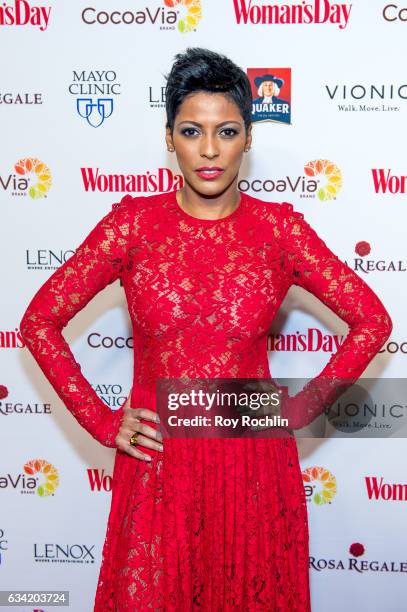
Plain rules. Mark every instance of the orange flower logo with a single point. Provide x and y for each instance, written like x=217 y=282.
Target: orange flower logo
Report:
x=41 y=466
x=193 y=15
x=330 y=173
x=42 y=173
x=326 y=481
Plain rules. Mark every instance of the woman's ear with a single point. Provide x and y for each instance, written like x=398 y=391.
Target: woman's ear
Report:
x=248 y=143
x=168 y=140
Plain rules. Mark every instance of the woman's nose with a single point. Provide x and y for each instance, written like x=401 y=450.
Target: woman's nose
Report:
x=209 y=147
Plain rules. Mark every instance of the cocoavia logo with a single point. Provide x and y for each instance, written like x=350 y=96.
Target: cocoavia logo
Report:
x=32 y=165
x=192 y=16
x=22 y=13
x=49 y=473
x=320 y=485
x=32 y=176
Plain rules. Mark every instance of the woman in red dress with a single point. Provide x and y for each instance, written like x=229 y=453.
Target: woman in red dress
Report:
x=203 y=523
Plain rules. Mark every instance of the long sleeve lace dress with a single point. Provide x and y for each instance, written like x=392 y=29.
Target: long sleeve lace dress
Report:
x=209 y=524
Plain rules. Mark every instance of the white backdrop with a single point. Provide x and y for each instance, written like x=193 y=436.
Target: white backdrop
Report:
x=358 y=540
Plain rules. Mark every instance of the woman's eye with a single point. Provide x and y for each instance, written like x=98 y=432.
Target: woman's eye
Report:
x=187 y=131
x=184 y=131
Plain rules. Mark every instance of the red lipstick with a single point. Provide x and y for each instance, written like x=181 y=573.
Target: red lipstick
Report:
x=209 y=173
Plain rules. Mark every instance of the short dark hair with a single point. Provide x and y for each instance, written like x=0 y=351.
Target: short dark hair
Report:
x=199 y=69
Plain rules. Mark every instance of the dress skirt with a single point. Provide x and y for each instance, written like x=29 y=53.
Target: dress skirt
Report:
x=210 y=524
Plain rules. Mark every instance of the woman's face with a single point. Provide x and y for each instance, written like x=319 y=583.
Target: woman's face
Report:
x=209 y=131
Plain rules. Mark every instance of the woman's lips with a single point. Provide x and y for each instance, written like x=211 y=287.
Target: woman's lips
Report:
x=209 y=175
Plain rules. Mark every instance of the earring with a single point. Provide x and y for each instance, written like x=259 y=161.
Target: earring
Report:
x=171 y=150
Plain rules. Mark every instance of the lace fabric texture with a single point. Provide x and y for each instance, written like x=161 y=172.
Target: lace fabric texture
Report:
x=209 y=524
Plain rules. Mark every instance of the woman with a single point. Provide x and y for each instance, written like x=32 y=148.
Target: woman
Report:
x=199 y=523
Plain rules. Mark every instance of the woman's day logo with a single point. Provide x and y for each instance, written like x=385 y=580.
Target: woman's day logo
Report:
x=271 y=94
x=323 y=481
x=22 y=13
x=190 y=20
x=46 y=469
x=41 y=172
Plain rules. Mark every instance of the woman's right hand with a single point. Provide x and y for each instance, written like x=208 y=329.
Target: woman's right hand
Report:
x=148 y=436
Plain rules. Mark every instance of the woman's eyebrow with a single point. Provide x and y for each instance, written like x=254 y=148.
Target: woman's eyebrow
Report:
x=218 y=125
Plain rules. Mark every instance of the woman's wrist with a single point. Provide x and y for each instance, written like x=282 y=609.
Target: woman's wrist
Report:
x=109 y=428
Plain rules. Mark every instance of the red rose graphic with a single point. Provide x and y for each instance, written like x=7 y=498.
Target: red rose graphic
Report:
x=362 y=248
x=356 y=549
x=3 y=392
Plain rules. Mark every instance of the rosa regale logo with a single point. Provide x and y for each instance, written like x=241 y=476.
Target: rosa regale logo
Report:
x=326 y=482
x=362 y=248
x=357 y=549
x=193 y=16
x=42 y=173
x=50 y=473
x=330 y=173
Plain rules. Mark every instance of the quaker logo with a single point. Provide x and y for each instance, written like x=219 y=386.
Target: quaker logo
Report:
x=23 y=13
x=271 y=92
x=99 y=481
x=3 y=545
x=95 y=92
x=30 y=177
x=46 y=259
x=64 y=553
x=393 y=12
x=355 y=563
x=377 y=98
x=314 y=12
x=385 y=181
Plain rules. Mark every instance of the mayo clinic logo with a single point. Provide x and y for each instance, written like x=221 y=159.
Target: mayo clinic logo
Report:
x=95 y=92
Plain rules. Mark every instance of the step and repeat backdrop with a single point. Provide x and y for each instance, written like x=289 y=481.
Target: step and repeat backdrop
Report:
x=82 y=118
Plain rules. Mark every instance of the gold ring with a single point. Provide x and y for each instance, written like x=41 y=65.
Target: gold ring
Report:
x=133 y=439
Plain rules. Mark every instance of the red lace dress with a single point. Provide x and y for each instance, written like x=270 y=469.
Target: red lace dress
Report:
x=217 y=523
